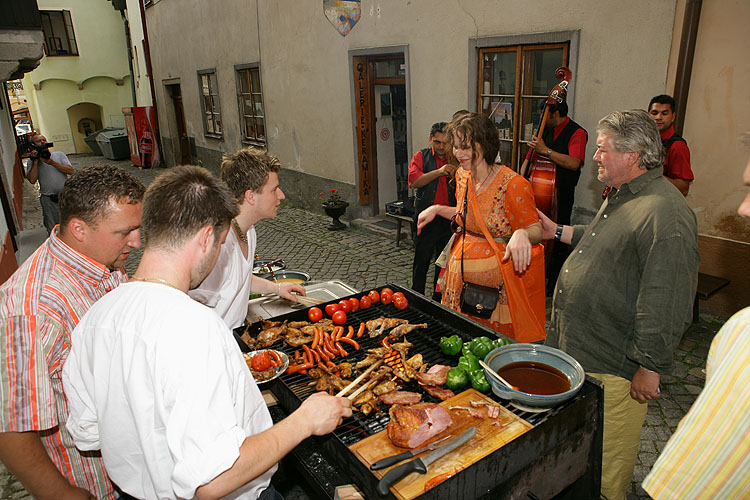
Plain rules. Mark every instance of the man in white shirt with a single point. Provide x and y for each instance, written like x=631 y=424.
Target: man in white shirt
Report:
x=51 y=169
x=252 y=176
x=154 y=380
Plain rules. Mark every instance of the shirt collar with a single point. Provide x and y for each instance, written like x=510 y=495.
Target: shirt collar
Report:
x=437 y=158
x=83 y=265
x=556 y=131
x=635 y=185
x=668 y=133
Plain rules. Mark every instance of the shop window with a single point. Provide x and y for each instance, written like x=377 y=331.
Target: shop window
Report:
x=514 y=82
x=210 y=102
x=59 y=37
x=250 y=99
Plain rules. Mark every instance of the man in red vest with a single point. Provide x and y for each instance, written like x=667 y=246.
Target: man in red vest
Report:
x=677 y=163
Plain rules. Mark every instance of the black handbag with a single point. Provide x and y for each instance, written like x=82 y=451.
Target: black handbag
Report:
x=476 y=300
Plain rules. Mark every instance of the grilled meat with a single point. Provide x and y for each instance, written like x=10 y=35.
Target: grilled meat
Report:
x=295 y=338
x=366 y=408
x=370 y=359
x=378 y=326
x=264 y=323
x=411 y=426
x=385 y=387
x=400 y=397
x=337 y=383
x=315 y=373
x=417 y=363
x=364 y=397
x=268 y=336
x=402 y=330
x=298 y=324
x=439 y=392
x=322 y=384
x=345 y=369
x=436 y=375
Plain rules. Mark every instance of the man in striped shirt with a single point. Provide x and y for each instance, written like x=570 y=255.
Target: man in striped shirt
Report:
x=708 y=457
x=100 y=218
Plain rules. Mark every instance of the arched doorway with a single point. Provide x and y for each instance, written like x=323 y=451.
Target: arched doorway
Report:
x=85 y=118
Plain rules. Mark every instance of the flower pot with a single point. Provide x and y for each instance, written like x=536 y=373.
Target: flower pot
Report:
x=334 y=212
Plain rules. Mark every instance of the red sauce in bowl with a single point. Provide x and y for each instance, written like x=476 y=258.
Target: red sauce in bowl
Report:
x=535 y=378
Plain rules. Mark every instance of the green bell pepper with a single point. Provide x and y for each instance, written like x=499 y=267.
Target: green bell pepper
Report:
x=451 y=345
x=480 y=347
x=479 y=381
x=499 y=342
x=468 y=363
x=466 y=348
x=457 y=379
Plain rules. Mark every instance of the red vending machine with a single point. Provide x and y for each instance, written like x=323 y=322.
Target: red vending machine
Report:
x=140 y=122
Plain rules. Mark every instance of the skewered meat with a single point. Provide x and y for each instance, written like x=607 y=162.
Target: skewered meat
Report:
x=385 y=387
x=410 y=426
x=322 y=384
x=436 y=375
x=295 y=338
x=378 y=326
x=370 y=359
x=345 y=369
x=439 y=392
x=402 y=330
x=366 y=408
x=364 y=397
x=400 y=397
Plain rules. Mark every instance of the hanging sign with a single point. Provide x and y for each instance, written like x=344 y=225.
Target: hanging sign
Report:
x=343 y=14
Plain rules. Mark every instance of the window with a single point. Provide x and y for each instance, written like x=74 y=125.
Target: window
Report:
x=514 y=82
x=210 y=102
x=250 y=98
x=59 y=37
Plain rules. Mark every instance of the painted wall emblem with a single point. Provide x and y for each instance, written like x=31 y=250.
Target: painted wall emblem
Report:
x=343 y=14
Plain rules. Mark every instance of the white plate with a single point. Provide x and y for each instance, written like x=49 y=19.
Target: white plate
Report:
x=249 y=355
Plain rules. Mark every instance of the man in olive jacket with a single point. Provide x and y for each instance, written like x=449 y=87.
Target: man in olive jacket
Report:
x=624 y=296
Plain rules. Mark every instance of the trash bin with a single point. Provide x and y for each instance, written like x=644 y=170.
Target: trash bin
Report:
x=114 y=144
x=91 y=140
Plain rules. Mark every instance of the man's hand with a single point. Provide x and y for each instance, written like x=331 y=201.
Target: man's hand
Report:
x=538 y=144
x=286 y=289
x=519 y=250
x=548 y=226
x=645 y=385
x=448 y=170
x=324 y=413
x=425 y=217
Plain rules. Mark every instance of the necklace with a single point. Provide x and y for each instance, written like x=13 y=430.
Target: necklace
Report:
x=477 y=186
x=242 y=236
x=155 y=280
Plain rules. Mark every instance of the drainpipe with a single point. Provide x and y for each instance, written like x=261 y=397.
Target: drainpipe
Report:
x=149 y=69
x=685 y=60
x=130 y=55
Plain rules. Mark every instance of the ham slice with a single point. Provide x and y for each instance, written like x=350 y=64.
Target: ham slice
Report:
x=411 y=426
x=400 y=397
x=439 y=392
x=436 y=375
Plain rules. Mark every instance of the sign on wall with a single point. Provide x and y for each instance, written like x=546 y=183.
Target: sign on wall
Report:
x=343 y=14
x=365 y=139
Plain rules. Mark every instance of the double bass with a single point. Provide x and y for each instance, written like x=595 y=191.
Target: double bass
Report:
x=543 y=176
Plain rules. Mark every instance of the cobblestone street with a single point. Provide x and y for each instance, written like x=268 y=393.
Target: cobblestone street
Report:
x=365 y=259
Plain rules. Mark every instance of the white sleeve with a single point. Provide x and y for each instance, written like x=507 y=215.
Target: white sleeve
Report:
x=82 y=423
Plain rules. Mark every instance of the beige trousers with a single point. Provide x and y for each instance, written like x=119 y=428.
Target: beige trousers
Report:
x=623 y=420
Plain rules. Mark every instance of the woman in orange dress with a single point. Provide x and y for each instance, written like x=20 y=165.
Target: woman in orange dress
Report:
x=506 y=203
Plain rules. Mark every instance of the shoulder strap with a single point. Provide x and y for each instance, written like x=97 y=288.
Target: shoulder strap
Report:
x=480 y=220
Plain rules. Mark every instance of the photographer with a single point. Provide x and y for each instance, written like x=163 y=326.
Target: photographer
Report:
x=51 y=170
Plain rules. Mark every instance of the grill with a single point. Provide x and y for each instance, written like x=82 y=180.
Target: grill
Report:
x=571 y=431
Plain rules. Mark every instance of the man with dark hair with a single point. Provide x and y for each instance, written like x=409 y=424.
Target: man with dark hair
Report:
x=429 y=172
x=252 y=176
x=677 y=163
x=626 y=292
x=154 y=378
x=50 y=169
x=563 y=142
x=40 y=305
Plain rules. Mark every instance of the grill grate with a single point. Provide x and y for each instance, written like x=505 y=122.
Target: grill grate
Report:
x=292 y=389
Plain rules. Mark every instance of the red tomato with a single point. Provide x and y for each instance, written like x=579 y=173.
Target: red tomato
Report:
x=261 y=362
x=345 y=306
x=339 y=318
x=386 y=295
x=332 y=308
x=374 y=296
x=314 y=314
x=399 y=294
x=400 y=302
x=386 y=290
x=354 y=303
x=365 y=302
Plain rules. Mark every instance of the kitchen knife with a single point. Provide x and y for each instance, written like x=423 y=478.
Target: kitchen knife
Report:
x=420 y=464
x=394 y=459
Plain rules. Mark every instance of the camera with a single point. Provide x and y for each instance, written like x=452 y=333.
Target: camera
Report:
x=43 y=149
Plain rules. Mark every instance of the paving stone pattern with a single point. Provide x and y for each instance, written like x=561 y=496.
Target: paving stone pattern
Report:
x=366 y=259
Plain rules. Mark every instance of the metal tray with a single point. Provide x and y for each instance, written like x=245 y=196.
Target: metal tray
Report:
x=272 y=305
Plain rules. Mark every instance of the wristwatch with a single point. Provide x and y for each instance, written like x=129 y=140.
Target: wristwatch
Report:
x=549 y=151
x=558 y=232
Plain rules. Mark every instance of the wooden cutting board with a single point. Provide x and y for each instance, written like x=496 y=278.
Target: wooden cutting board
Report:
x=491 y=435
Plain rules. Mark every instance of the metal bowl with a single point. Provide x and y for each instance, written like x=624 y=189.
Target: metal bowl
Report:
x=287 y=274
x=260 y=266
x=541 y=354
